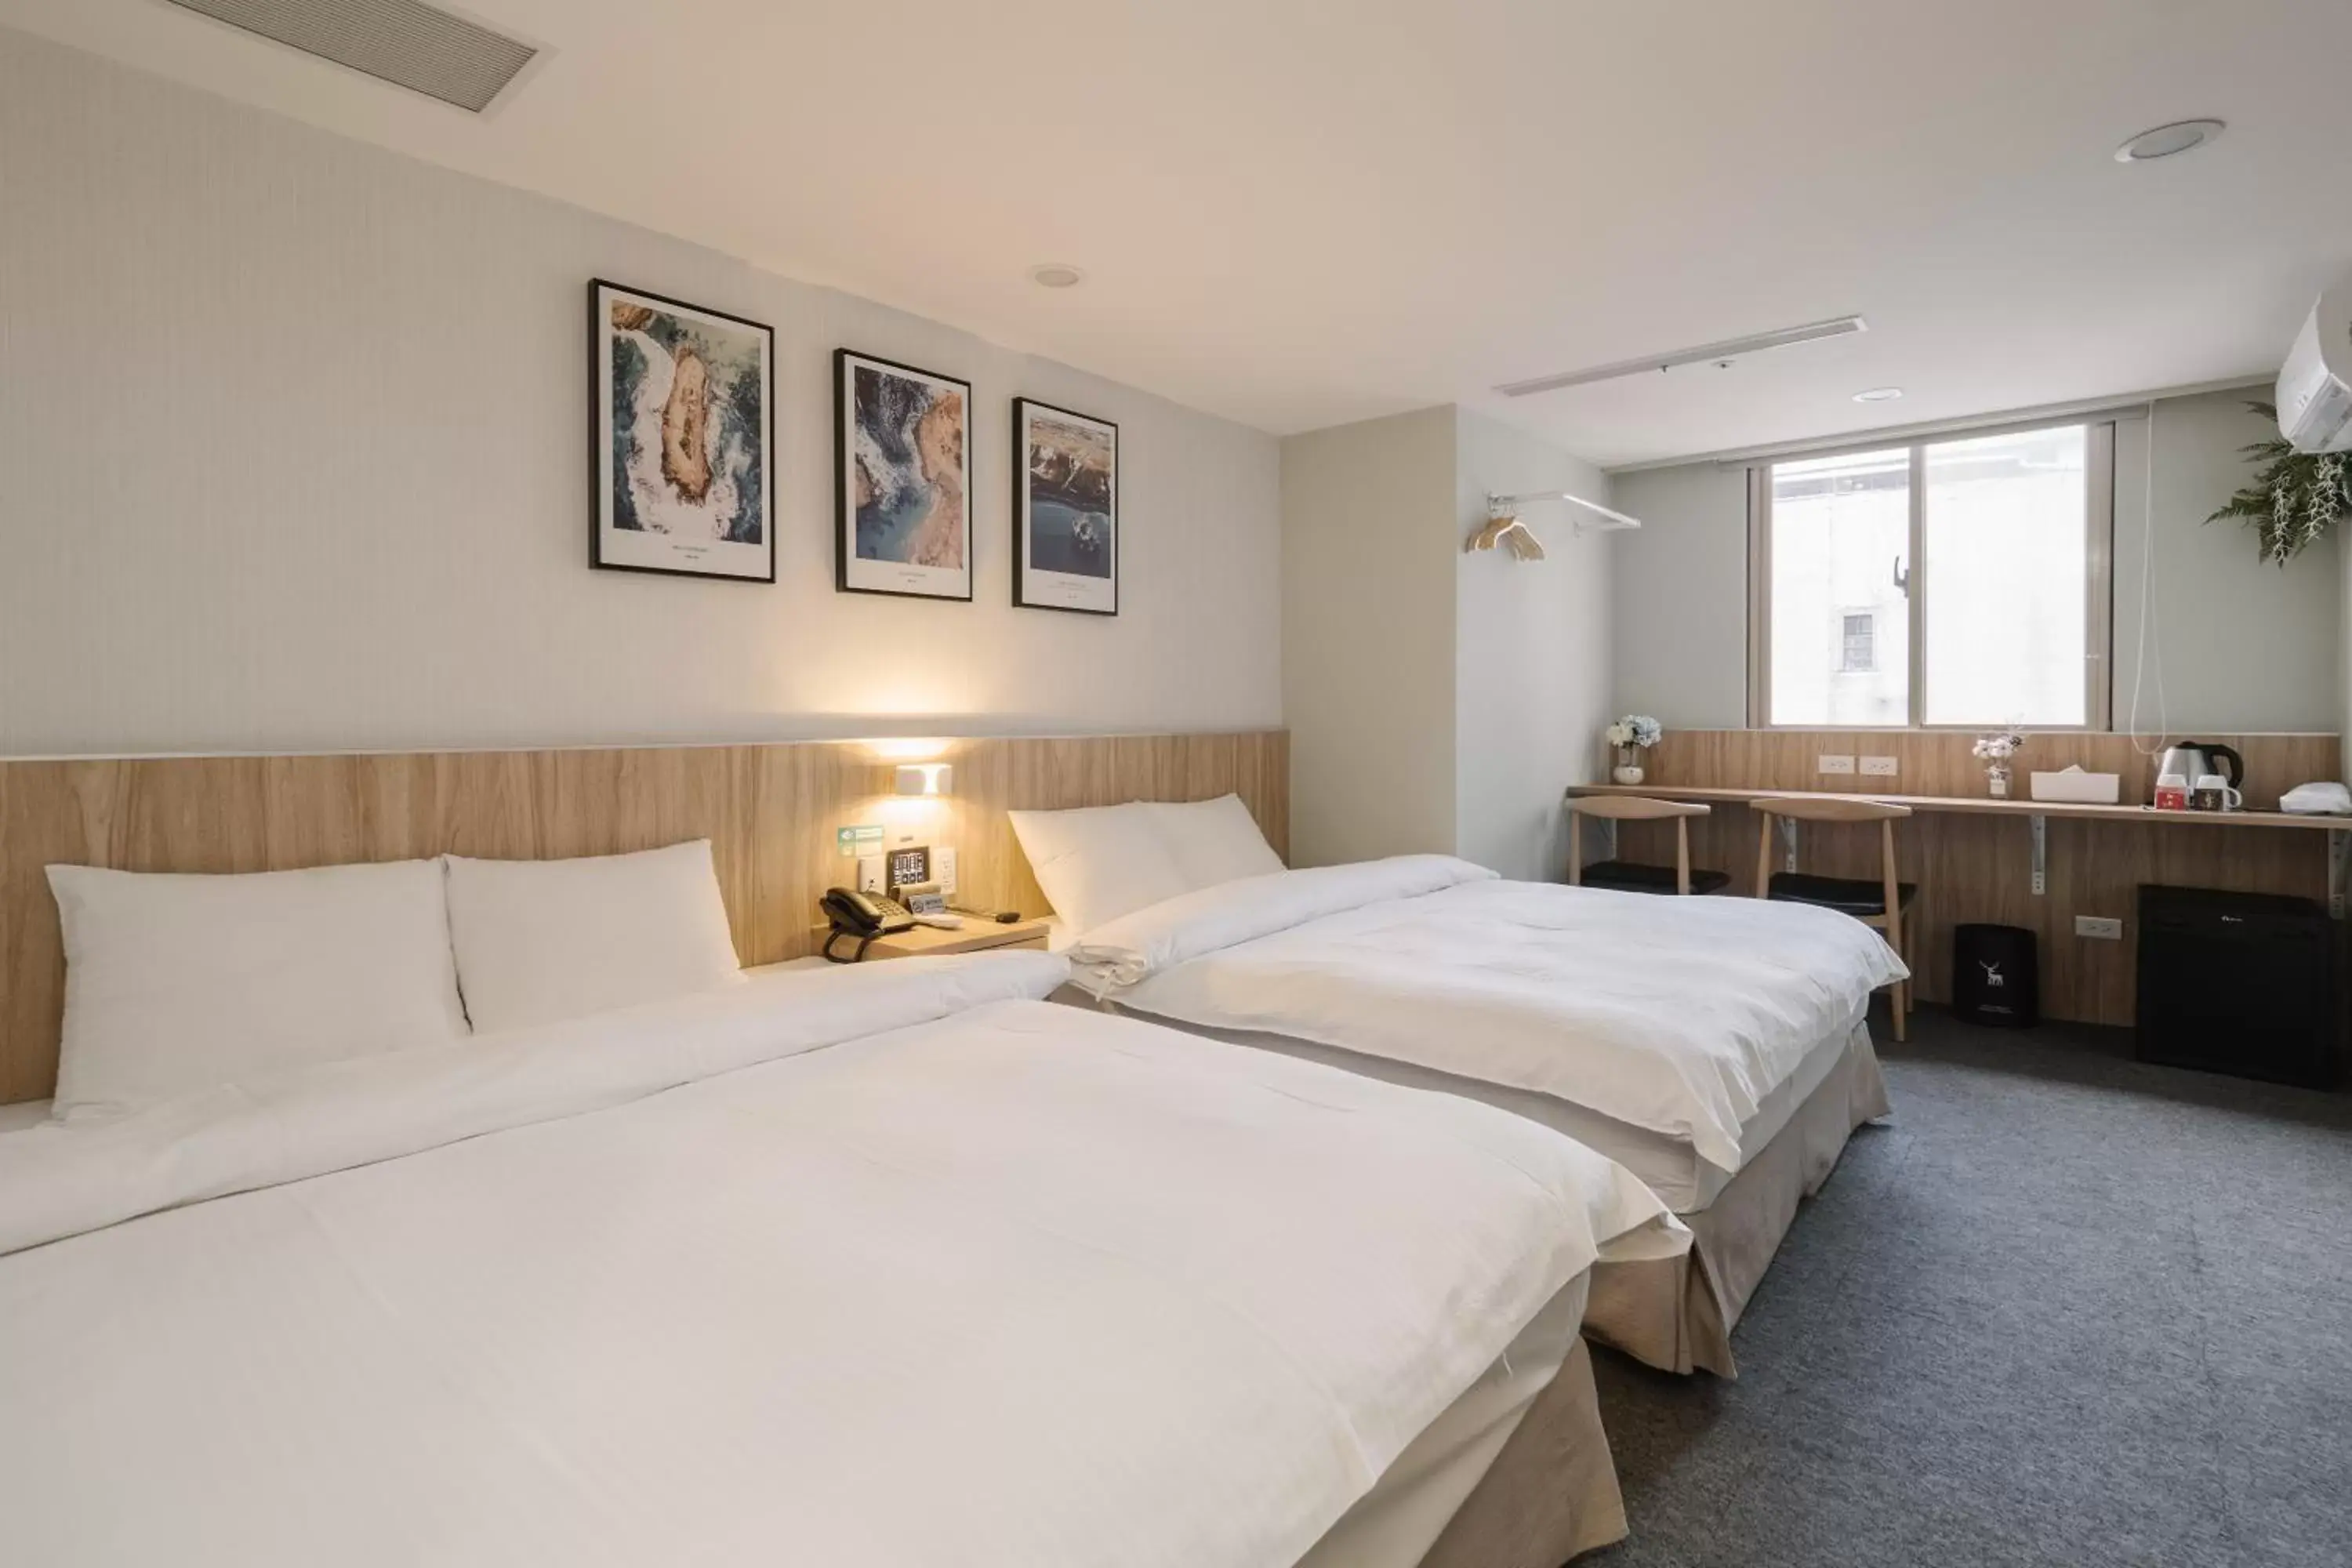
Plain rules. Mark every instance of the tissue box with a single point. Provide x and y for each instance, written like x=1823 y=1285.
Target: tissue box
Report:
x=2078 y=788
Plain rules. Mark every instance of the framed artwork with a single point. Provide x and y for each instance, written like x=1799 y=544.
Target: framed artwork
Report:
x=683 y=437
x=902 y=479
x=1064 y=510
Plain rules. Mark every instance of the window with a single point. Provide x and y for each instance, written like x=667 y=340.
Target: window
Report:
x=1860 y=656
x=1958 y=583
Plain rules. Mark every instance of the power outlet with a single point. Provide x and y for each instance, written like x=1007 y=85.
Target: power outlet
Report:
x=1879 y=767
x=869 y=874
x=944 y=868
x=1827 y=763
x=2099 y=926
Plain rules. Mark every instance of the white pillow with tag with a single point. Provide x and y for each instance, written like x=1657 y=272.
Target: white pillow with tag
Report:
x=542 y=941
x=1098 y=862
x=176 y=983
x=1212 y=841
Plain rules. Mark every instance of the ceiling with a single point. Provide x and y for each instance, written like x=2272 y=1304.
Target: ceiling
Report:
x=1296 y=213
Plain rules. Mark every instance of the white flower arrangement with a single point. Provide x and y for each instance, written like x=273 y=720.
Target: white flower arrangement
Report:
x=2001 y=747
x=1634 y=730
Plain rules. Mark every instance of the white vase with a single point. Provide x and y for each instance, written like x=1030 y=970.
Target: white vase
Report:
x=1626 y=774
x=1997 y=781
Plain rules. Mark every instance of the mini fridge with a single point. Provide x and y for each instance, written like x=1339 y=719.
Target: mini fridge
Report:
x=2237 y=982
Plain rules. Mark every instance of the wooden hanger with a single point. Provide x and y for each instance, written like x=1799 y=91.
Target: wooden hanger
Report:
x=1507 y=529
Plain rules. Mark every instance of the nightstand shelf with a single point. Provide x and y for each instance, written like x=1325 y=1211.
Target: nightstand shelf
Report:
x=978 y=935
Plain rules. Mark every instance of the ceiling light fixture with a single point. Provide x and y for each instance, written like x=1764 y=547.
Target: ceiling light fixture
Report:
x=1056 y=275
x=1879 y=394
x=1717 y=355
x=2167 y=140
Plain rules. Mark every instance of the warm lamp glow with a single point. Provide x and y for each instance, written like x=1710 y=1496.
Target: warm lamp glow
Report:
x=927 y=779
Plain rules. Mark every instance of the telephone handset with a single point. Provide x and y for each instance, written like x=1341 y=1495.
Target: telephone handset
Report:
x=863 y=916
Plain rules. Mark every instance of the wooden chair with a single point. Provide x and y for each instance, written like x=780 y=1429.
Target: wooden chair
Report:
x=1884 y=904
x=1632 y=876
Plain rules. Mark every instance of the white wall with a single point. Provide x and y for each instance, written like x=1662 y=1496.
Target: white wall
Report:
x=1368 y=607
x=1679 y=592
x=1531 y=654
x=2243 y=646
x=293 y=456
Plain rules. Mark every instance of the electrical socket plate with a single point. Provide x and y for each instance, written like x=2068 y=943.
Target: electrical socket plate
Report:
x=1879 y=767
x=2100 y=926
x=869 y=874
x=944 y=868
x=1827 y=763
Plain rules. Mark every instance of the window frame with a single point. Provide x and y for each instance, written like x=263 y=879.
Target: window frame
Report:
x=2099 y=551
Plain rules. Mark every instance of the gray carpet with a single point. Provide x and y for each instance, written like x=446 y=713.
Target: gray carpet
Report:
x=2064 y=1311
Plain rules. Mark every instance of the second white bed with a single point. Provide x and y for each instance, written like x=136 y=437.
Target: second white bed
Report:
x=1714 y=1047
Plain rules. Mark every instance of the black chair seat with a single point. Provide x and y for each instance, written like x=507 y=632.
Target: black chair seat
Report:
x=1854 y=895
x=1633 y=877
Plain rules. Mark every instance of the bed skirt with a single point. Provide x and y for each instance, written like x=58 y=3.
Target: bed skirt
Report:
x=1515 y=1474
x=1678 y=1313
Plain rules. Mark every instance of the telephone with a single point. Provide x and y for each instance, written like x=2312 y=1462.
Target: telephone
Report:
x=863 y=916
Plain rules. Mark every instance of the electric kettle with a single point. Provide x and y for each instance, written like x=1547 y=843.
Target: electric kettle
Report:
x=2192 y=760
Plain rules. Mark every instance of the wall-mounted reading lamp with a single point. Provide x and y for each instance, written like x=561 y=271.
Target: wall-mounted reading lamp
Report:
x=926 y=779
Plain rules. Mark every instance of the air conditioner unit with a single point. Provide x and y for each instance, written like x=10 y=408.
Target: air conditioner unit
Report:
x=2314 y=386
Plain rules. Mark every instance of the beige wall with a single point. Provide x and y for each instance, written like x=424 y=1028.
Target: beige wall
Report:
x=1368 y=637
x=2243 y=647
x=1437 y=701
x=293 y=457
x=1531 y=654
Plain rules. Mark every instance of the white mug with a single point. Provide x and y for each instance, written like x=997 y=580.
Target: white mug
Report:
x=2231 y=799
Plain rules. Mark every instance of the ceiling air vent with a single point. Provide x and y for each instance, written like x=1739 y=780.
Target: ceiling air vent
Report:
x=403 y=42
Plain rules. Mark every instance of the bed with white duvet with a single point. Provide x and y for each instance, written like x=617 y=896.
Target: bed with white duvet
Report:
x=1716 y=1047
x=869 y=1267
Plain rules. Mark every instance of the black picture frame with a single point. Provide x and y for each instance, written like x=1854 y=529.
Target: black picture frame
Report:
x=905 y=580
x=1035 y=588
x=610 y=548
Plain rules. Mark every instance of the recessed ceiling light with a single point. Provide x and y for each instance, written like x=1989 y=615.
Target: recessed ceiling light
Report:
x=1056 y=275
x=2166 y=140
x=1879 y=394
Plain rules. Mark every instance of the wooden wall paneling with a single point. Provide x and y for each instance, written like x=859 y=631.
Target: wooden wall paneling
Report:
x=770 y=811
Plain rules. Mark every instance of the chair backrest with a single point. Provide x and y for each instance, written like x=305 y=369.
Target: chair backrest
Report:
x=1833 y=808
x=1830 y=808
x=1631 y=809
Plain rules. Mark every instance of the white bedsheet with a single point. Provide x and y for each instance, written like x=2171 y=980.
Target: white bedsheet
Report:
x=1677 y=1015
x=734 y=1280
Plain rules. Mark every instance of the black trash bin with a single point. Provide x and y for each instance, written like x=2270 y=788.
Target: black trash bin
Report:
x=1996 y=977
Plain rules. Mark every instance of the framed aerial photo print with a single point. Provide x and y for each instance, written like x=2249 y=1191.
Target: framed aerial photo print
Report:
x=902 y=479
x=1064 y=510
x=683 y=437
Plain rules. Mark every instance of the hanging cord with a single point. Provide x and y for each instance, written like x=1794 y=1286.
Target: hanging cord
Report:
x=2146 y=609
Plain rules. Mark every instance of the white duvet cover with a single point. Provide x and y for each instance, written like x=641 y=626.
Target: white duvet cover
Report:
x=741 y=1280
x=1678 y=1015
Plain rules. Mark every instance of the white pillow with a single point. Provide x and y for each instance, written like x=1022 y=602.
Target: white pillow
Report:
x=175 y=984
x=540 y=940
x=1098 y=862
x=1212 y=841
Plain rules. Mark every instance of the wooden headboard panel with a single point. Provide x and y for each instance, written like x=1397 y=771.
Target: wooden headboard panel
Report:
x=770 y=811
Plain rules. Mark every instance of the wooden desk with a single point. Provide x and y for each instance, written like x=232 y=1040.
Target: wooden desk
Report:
x=1957 y=846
